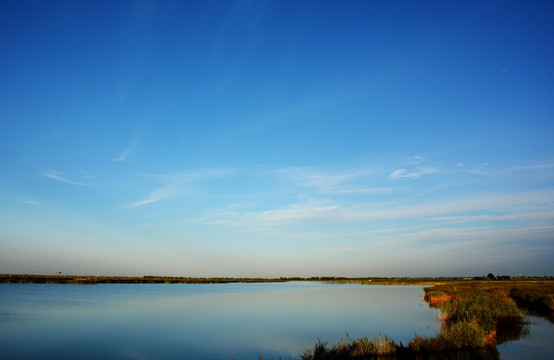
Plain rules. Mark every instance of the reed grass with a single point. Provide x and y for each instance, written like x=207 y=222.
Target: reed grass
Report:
x=381 y=347
x=476 y=317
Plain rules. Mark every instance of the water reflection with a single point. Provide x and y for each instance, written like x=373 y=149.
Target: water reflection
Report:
x=240 y=321
x=536 y=344
x=512 y=331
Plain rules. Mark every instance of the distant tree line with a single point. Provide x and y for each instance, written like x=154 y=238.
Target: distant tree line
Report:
x=155 y=279
x=490 y=276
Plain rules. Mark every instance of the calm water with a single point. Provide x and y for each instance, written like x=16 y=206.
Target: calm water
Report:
x=223 y=321
x=538 y=345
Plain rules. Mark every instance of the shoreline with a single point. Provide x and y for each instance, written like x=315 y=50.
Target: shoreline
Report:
x=149 y=279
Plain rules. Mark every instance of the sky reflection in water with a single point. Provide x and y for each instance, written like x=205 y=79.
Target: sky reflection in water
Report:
x=241 y=321
x=537 y=345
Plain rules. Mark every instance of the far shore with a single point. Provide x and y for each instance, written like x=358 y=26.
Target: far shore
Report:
x=153 y=279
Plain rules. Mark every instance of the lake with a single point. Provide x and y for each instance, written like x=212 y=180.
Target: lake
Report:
x=202 y=321
x=539 y=344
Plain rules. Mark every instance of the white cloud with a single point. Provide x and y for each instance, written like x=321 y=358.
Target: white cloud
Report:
x=35 y=203
x=87 y=175
x=178 y=185
x=522 y=203
x=428 y=170
x=336 y=182
x=30 y=202
x=475 y=237
x=124 y=154
x=533 y=167
x=485 y=169
x=545 y=169
x=55 y=176
x=162 y=193
x=403 y=174
x=525 y=207
x=127 y=151
x=525 y=216
x=314 y=209
x=416 y=159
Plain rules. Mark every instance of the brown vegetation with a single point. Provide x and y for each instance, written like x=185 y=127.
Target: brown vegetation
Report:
x=476 y=315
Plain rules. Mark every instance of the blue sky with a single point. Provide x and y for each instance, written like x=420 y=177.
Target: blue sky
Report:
x=277 y=138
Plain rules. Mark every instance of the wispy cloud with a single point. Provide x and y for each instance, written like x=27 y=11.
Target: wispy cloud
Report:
x=162 y=193
x=522 y=203
x=405 y=239
x=404 y=174
x=34 y=203
x=87 y=175
x=532 y=167
x=545 y=169
x=524 y=207
x=416 y=159
x=336 y=182
x=8 y=197
x=19 y=199
x=314 y=209
x=54 y=175
x=127 y=151
x=485 y=169
x=472 y=238
x=414 y=168
x=178 y=185
x=526 y=216
x=470 y=242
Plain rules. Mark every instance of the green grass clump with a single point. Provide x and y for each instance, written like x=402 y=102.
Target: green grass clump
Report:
x=489 y=307
x=381 y=347
x=464 y=335
x=458 y=341
x=538 y=299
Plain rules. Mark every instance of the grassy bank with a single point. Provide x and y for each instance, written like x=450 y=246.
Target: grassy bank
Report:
x=476 y=317
x=536 y=299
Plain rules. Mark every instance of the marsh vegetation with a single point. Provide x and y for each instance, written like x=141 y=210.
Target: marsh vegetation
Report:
x=476 y=317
